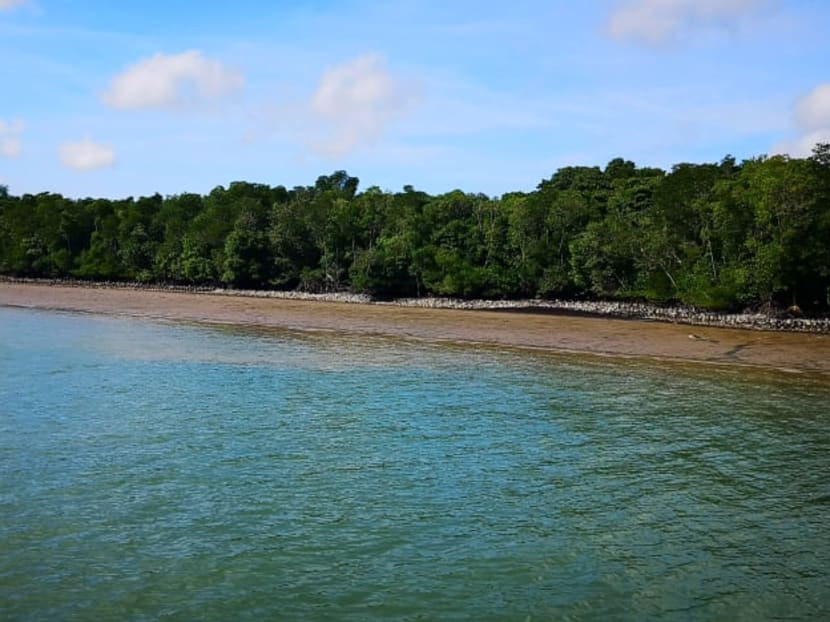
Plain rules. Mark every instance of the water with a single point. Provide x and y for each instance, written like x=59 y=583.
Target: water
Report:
x=159 y=471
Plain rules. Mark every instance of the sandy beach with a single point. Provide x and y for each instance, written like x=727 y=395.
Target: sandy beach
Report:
x=787 y=352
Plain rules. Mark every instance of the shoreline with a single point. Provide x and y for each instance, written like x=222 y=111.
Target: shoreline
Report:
x=675 y=314
x=571 y=334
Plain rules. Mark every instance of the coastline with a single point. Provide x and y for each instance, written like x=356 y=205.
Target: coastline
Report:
x=574 y=334
x=676 y=314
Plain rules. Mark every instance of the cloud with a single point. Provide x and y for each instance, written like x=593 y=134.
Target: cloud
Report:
x=86 y=155
x=10 y=143
x=357 y=101
x=812 y=119
x=802 y=147
x=8 y=5
x=172 y=80
x=10 y=147
x=655 y=22
x=813 y=111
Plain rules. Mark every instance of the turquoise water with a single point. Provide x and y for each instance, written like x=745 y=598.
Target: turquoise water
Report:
x=160 y=471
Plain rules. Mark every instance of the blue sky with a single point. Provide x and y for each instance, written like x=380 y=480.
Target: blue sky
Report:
x=114 y=99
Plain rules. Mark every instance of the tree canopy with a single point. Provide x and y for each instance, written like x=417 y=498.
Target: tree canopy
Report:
x=717 y=235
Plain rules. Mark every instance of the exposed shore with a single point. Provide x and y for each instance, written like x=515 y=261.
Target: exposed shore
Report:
x=605 y=309
x=786 y=351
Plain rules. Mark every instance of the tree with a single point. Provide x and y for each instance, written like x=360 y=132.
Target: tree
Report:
x=717 y=235
x=247 y=260
x=101 y=259
x=788 y=243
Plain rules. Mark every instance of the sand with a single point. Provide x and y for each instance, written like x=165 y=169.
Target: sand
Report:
x=661 y=342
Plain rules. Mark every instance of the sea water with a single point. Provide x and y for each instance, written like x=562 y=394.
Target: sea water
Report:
x=179 y=472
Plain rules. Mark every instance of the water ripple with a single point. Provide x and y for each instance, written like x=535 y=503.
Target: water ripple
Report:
x=154 y=471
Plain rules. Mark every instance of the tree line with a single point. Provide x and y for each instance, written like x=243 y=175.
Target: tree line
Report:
x=721 y=235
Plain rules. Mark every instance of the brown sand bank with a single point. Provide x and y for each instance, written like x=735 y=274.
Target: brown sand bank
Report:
x=600 y=336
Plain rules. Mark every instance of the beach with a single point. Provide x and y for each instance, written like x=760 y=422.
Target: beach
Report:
x=596 y=336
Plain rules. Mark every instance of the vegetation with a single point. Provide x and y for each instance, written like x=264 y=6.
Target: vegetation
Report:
x=723 y=235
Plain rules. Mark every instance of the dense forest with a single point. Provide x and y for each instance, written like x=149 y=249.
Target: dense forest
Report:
x=723 y=236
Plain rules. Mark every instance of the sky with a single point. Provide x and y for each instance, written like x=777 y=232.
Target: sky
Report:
x=115 y=99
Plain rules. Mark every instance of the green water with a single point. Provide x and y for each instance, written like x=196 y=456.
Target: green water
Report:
x=158 y=471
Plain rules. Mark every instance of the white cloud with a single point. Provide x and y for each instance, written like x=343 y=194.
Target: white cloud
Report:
x=655 y=22
x=10 y=147
x=813 y=111
x=171 y=80
x=7 y=5
x=357 y=100
x=812 y=118
x=86 y=155
x=802 y=147
x=10 y=144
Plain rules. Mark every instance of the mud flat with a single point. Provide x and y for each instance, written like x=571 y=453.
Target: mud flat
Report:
x=521 y=327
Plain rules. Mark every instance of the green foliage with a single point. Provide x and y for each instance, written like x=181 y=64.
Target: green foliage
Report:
x=384 y=269
x=195 y=265
x=246 y=254
x=720 y=235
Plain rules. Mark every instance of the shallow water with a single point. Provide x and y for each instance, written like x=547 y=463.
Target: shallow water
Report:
x=152 y=470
